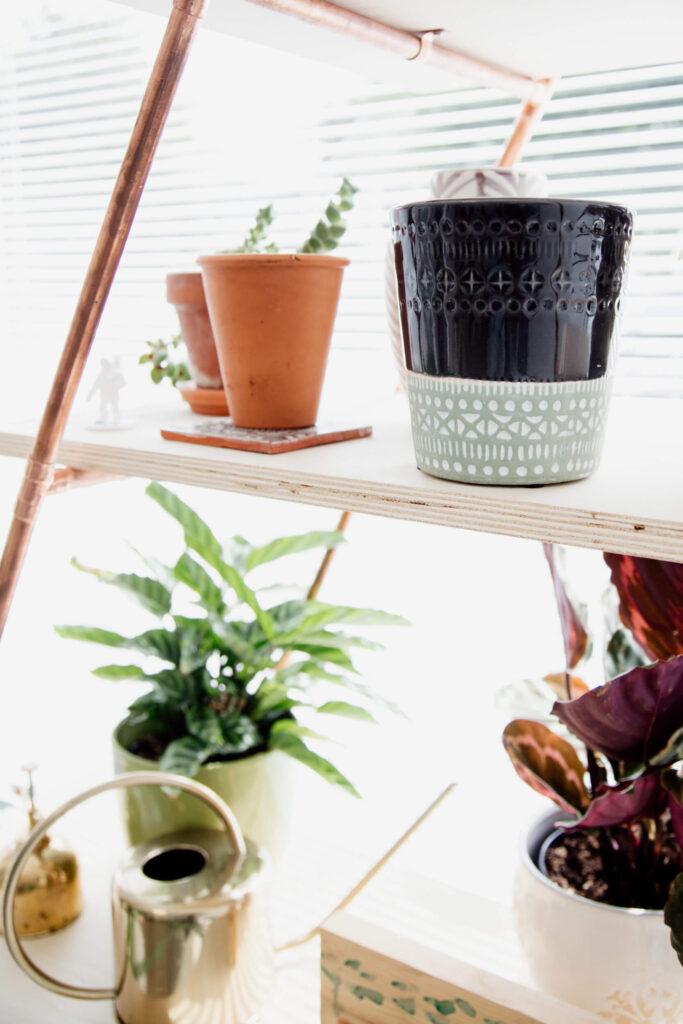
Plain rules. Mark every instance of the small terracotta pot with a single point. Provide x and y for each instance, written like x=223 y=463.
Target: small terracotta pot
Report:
x=272 y=317
x=186 y=293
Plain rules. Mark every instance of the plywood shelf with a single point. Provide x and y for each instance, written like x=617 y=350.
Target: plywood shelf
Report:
x=633 y=504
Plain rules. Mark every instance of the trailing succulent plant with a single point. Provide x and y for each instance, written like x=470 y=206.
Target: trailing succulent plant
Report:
x=165 y=365
x=235 y=675
x=324 y=237
x=626 y=790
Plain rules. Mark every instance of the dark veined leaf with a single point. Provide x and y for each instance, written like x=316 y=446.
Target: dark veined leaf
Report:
x=629 y=801
x=282 y=546
x=673 y=915
x=632 y=717
x=158 y=642
x=650 y=602
x=188 y=571
x=283 y=738
x=233 y=640
x=92 y=634
x=239 y=733
x=572 y=616
x=547 y=763
x=273 y=701
x=185 y=756
x=198 y=535
x=204 y=723
x=672 y=752
x=151 y=705
x=195 y=643
x=346 y=710
x=288 y=616
x=150 y=593
x=172 y=684
x=118 y=672
x=622 y=654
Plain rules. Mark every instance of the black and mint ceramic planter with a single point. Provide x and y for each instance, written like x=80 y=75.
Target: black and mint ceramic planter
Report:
x=509 y=310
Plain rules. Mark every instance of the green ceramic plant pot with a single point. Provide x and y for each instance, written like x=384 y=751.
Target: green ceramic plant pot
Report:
x=258 y=789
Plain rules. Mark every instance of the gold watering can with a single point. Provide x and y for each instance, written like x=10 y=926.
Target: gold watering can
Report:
x=190 y=915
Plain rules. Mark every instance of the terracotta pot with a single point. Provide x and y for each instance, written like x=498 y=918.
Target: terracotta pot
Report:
x=616 y=961
x=272 y=317
x=186 y=293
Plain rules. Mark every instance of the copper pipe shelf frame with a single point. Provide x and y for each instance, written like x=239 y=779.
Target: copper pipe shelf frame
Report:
x=40 y=477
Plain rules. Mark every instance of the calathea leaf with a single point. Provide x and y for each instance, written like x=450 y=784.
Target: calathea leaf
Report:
x=239 y=733
x=243 y=592
x=282 y=546
x=629 y=801
x=288 y=616
x=198 y=535
x=650 y=602
x=672 y=752
x=346 y=710
x=117 y=672
x=321 y=614
x=188 y=571
x=632 y=717
x=158 y=642
x=172 y=684
x=233 y=639
x=283 y=738
x=673 y=915
x=92 y=634
x=195 y=642
x=185 y=756
x=325 y=654
x=150 y=593
x=161 y=572
x=572 y=615
x=547 y=763
x=203 y=723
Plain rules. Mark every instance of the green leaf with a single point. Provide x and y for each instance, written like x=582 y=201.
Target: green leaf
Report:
x=240 y=734
x=92 y=634
x=232 y=640
x=160 y=643
x=161 y=572
x=116 y=672
x=172 y=684
x=188 y=571
x=282 y=546
x=150 y=593
x=673 y=915
x=243 y=592
x=269 y=701
x=321 y=614
x=195 y=642
x=204 y=723
x=333 y=655
x=198 y=535
x=185 y=756
x=341 y=707
x=282 y=738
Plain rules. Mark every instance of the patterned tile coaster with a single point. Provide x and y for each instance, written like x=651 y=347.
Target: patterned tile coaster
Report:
x=222 y=433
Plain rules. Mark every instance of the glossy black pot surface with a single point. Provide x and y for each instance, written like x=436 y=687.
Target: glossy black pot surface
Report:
x=510 y=289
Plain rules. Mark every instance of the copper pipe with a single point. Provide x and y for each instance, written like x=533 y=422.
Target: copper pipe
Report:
x=118 y=219
x=408 y=45
x=66 y=478
x=319 y=577
x=525 y=124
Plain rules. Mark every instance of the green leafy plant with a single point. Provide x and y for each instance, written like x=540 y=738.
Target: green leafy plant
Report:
x=324 y=237
x=236 y=675
x=164 y=363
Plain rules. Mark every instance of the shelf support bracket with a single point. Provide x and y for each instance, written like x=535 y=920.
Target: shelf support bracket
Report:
x=156 y=103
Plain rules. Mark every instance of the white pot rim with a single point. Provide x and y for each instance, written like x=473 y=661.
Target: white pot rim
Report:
x=545 y=823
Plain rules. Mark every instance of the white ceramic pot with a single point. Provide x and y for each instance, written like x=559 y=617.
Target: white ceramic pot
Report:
x=615 y=961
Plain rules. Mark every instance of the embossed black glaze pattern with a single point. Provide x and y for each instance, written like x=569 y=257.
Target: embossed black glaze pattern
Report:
x=510 y=289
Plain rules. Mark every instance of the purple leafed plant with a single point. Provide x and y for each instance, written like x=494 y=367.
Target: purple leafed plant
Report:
x=625 y=799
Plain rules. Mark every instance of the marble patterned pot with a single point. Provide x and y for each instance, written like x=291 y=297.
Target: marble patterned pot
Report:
x=614 y=961
x=509 y=311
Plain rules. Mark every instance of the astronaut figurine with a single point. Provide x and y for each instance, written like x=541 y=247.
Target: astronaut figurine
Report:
x=108 y=382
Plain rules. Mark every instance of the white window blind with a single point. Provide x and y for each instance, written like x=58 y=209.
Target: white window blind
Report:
x=71 y=78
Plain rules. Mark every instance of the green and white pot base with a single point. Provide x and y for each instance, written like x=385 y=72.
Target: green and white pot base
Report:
x=507 y=432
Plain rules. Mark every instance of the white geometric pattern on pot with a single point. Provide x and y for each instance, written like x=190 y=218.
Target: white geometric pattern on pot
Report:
x=507 y=432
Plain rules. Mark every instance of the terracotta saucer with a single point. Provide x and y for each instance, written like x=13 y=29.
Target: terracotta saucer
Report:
x=205 y=401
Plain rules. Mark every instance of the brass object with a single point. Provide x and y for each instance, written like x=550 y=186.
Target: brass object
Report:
x=49 y=891
x=190 y=914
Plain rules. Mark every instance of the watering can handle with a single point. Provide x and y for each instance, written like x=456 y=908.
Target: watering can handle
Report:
x=121 y=782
